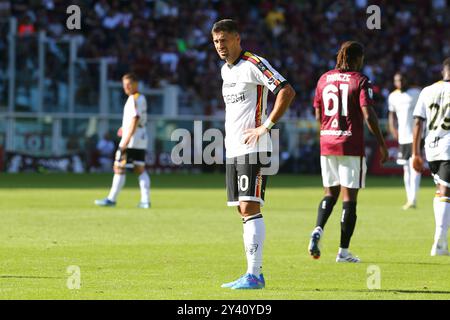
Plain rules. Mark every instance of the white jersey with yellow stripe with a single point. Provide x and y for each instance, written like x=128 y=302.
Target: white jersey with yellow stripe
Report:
x=136 y=106
x=245 y=87
x=433 y=106
x=402 y=103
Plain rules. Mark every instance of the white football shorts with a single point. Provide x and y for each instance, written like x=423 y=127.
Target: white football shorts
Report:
x=347 y=171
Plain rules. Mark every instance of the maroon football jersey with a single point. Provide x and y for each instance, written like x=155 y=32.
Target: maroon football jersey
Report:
x=341 y=95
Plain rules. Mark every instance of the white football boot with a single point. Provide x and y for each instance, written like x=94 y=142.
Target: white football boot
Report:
x=348 y=258
x=439 y=249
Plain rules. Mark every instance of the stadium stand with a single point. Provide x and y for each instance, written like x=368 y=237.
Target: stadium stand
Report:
x=168 y=42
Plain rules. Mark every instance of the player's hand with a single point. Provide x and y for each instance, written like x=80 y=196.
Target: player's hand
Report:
x=119 y=132
x=417 y=162
x=120 y=157
x=251 y=136
x=384 y=154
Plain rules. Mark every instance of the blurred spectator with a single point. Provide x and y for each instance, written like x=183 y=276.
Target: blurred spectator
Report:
x=73 y=144
x=101 y=8
x=26 y=27
x=105 y=151
x=5 y=8
x=169 y=42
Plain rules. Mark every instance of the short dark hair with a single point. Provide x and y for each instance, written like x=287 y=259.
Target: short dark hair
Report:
x=446 y=63
x=348 y=54
x=131 y=76
x=225 y=25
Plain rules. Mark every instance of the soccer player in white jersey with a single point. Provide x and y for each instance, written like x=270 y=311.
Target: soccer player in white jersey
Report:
x=401 y=106
x=246 y=81
x=433 y=111
x=132 y=146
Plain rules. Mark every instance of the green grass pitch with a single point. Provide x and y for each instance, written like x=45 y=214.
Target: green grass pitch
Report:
x=190 y=242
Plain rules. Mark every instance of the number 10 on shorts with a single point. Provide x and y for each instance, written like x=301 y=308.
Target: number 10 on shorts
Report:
x=243 y=182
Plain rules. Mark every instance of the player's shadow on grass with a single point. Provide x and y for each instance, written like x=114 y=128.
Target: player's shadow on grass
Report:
x=418 y=263
x=377 y=262
x=170 y=181
x=382 y=291
x=26 y=277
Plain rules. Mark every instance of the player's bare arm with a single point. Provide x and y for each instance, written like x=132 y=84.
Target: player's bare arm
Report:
x=372 y=123
x=284 y=99
x=318 y=115
x=417 y=137
x=392 y=121
x=126 y=139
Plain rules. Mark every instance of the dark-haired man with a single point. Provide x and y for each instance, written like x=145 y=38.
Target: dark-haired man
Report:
x=246 y=81
x=132 y=146
x=401 y=106
x=433 y=110
x=343 y=101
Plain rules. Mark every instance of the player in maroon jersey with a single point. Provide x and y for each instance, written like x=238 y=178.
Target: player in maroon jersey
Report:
x=343 y=101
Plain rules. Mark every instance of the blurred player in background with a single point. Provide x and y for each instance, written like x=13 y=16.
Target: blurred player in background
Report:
x=433 y=110
x=343 y=100
x=105 y=148
x=401 y=107
x=132 y=147
x=246 y=81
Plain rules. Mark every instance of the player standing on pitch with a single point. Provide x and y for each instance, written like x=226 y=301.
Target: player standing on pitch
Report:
x=433 y=110
x=132 y=146
x=246 y=81
x=343 y=100
x=401 y=107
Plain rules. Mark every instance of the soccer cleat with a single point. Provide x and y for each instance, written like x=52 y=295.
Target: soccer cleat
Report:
x=409 y=205
x=144 y=205
x=314 y=250
x=232 y=283
x=437 y=250
x=348 y=258
x=247 y=281
x=105 y=203
x=250 y=281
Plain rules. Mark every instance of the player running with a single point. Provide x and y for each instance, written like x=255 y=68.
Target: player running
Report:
x=246 y=81
x=132 y=146
x=343 y=100
x=433 y=110
x=401 y=107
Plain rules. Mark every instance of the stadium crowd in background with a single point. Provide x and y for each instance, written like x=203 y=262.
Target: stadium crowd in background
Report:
x=166 y=41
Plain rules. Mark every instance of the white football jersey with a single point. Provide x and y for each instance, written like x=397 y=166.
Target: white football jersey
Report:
x=136 y=106
x=245 y=87
x=402 y=104
x=434 y=107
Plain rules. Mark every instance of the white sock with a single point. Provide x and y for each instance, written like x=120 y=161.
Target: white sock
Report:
x=414 y=183
x=117 y=185
x=441 y=212
x=319 y=230
x=254 y=235
x=407 y=181
x=144 y=184
x=343 y=252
